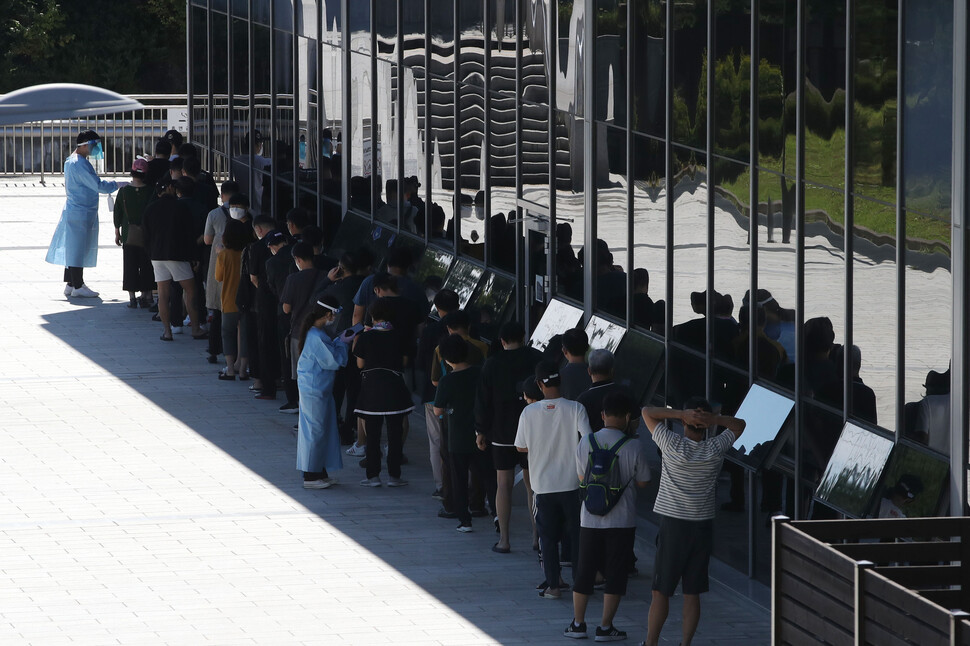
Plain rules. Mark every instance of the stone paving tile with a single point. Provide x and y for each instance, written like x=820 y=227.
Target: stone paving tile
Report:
x=141 y=500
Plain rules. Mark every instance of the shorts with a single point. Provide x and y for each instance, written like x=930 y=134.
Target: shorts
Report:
x=604 y=550
x=177 y=270
x=506 y=458
x=683 y=552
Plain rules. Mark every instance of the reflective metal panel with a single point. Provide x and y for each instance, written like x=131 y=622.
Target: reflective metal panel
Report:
x=852 y=474
x=648 y=67
x=360 y=25
x=874 y=303
x=332 y=20
x=649 y=235
x=776 y=87
x=570 y=218
x=570 y=52
x=385 y=29
x=359 y=135
x=473 y=166
x=690 y=66
x=610 y=59
x=471 y=50
x=732 y=80
x=875 y=74
x=612 y=223
x=825 y=57
x=388 y=207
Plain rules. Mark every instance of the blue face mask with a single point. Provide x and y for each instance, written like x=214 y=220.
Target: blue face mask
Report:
x=97 y=152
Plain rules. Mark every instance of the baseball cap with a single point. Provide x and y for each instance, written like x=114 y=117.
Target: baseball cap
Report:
x=175 y=137
x=529 y=388
x=275 y=238
x=139 y=165
x=546 y=371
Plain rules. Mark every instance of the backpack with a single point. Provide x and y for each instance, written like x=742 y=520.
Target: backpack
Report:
x=601 y=484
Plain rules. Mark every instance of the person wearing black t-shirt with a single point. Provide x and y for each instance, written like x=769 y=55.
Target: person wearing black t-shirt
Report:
x=296 y=300
x=383 y=393
x=601 y=364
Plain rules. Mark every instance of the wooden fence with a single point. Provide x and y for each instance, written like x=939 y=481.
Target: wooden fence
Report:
x=898 y=582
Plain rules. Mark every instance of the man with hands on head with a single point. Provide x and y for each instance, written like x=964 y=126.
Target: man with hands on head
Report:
x=685 y=503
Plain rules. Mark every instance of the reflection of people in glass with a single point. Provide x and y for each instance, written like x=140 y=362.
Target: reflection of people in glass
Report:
x=779 y=322
x=694 y=333
x=643 y=306
x=569 y=271
x=896 y=499
x=771 y=354
x=928 y=421
x=863 y=404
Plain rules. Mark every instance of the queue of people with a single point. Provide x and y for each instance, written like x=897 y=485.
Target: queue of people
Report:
x=354 y=349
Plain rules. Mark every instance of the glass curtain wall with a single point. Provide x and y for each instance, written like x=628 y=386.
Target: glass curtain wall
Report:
x=769 y=183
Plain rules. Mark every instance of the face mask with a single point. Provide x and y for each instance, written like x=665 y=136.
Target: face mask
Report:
x=97 y=152
x=237 y=213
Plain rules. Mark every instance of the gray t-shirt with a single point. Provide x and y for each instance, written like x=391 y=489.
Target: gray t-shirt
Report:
x=215 y=226
x=633 y=468
x=688 y=473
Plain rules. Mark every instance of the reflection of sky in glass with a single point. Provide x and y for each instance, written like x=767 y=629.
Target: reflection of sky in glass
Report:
x=763 y=413
x=850 y=479
x=493 y=294
x=463 y=279
x=604 y=335
x=557 y=318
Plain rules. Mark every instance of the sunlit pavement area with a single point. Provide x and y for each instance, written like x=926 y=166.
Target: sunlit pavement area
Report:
x=144 y=501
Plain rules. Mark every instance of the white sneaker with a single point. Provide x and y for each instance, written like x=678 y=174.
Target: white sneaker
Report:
x=68 y=290
x=371 y=482
x=177 y=329
x=84 y=292
x=396 y=482
x=324 y=483
x=357 y=450
x=187 y=321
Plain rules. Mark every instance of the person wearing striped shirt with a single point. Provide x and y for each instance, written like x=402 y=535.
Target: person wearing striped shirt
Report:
x=685 y=503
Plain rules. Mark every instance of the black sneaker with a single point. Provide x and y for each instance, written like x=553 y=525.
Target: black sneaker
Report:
x=288 y=407
x=444 y=513
x=575 y=632
x=611 y=634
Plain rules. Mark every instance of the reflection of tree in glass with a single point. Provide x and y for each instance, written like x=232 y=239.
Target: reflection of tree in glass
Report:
x=463 y=279
x=433 y=262
x=928 y=470
x=850 y=479
x=493 y=295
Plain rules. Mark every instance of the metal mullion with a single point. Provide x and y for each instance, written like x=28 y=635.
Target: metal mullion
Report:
x=959 y=207
x=486 y=138
x=900 y=221
x=753 y=193
x=190 y=103
x=295 y=97
x=273 y=107
x=230 y=87
x=251 y=153
x=374 y=123
x=552 y=268
x=630 y=203
x=400 y=104
x=347 y=116
x=848 y=245
x=318 y=55
x=668 y=181
x=210 y=81
x=521 y=245
x=799 y=247
x=709 y=162
x=456 y=137
x=589 y=164
x=428 y=138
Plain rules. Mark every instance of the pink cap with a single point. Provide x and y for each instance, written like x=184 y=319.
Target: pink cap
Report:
x=139 y=165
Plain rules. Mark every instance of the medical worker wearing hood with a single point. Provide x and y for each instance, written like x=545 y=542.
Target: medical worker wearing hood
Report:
x=75 y=243
x=318 y=440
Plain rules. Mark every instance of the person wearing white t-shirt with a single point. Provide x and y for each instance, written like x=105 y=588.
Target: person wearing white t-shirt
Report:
x=685 y=502
x=606 y=542
x=549 y=431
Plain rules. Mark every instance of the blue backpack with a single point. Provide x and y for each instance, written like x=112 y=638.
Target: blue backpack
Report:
x=602 y=487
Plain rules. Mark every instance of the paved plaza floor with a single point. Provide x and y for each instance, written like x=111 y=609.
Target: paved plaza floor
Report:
x=142 y=501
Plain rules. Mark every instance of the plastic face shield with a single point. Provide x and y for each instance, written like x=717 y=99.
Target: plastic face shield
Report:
x=97 y=151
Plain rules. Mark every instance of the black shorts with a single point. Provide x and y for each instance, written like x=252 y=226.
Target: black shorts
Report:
x=604 y=550
x=683 y=552
x=507 y=458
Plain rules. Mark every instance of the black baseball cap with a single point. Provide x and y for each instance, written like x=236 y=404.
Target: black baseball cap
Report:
x=546 y=371
x=175 y=137
x=275 y=238
x=529 y=388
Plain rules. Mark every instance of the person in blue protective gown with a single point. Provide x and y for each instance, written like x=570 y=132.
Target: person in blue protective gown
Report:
x=75 y=242
x=318 y=438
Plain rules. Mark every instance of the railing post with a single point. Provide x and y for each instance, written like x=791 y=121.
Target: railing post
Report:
x=860 y=611
x=956 y=626
x=776 y=522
